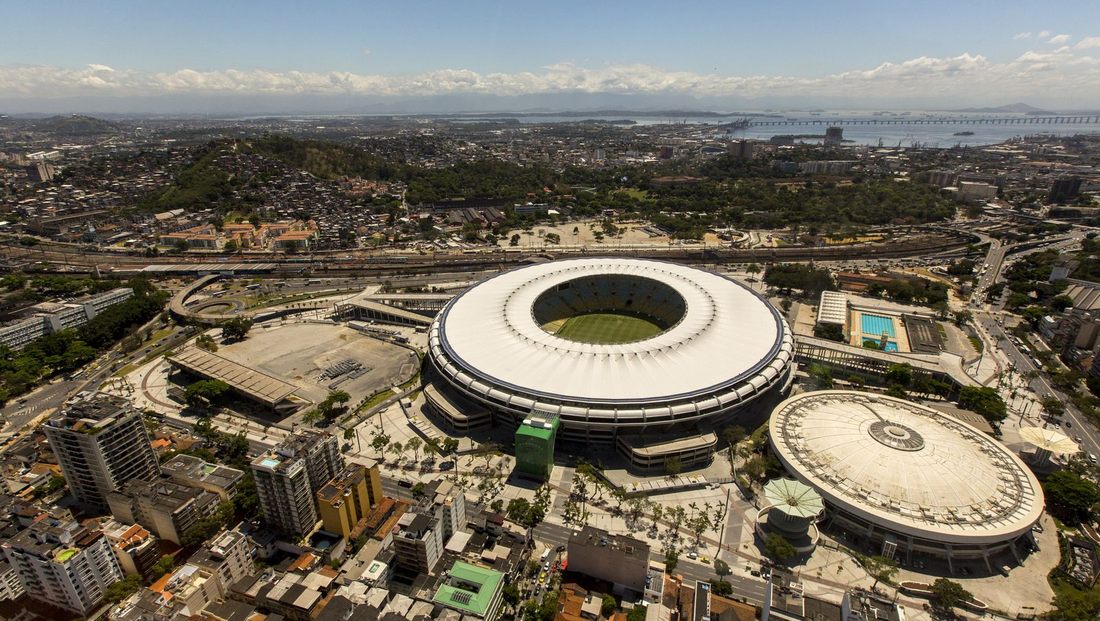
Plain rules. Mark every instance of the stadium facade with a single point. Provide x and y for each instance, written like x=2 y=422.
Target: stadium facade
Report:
x=646 y=355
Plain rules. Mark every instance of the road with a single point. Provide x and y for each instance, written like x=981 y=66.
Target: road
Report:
x=45 y=399
x=991 y=320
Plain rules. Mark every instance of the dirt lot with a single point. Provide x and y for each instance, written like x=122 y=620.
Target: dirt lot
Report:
x=299 y=353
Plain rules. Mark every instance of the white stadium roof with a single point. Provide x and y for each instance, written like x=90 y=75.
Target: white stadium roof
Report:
x=728 y=346
x=906 y=467
x=727 y=332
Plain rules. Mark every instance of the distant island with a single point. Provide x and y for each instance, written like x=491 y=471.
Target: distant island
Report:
x=1016 y=108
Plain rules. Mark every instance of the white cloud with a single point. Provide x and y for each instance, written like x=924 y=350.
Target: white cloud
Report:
x=1051 y=73
x=1021 y=35
x=1087 y=43
x=367 y=51
x=1043 y=34
x=1059 y=39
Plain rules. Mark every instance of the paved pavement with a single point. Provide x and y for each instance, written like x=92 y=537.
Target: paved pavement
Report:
x=22 y=412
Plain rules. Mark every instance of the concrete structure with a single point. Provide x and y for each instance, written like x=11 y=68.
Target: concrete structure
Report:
x=250 y=383
x=348 y=499
x=906 y=479
x=618 y=559
x=195 y=472
x=168 y=509
x=493 y=344
x=535 y=445
x=790 y=511
x=1064 y=189
x=972 y=191
x=100 y=443
x=419 y=542
x=425 y=529
x=288 y=476
x=64 y=564
x=227 y=556
x=471 y=590
x=833 y=308
x=58 y=317
x=10 y=586
x=135 y=548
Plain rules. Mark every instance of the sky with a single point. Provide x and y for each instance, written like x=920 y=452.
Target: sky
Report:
x=938 y=54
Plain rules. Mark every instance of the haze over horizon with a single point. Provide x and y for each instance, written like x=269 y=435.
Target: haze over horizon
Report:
x=423 y=57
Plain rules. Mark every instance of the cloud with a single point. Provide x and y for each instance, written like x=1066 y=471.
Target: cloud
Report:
x=1088 y=43
x=1043 y=34
x=1060 y=72
x=1021 y=35
x=367 y=51
x=1059 y=39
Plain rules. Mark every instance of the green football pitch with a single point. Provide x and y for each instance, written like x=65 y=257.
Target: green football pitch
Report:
x=604 y=328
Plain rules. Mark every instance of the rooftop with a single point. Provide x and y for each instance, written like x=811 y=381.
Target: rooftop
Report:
x=468 y=588
x=257 y=384
x=905 y=466
x=91 y=415
x=491 y=326
x=193 y=468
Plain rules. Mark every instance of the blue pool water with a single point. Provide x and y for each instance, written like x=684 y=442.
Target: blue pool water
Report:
x=875 y=325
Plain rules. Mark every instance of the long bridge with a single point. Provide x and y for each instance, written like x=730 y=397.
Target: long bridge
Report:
x=1021 y=120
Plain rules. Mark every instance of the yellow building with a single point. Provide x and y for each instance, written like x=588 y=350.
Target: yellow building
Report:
x=349 y=498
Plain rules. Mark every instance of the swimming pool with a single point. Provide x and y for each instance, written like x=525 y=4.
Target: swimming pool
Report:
x=876 y=325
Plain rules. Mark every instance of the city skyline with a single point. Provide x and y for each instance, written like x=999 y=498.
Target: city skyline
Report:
x=424 y=57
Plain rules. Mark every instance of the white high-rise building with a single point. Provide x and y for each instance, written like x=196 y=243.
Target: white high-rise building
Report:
x=61 y=563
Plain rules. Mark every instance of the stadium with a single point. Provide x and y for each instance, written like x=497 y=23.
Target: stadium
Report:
x=907 y=480
x=643 y=354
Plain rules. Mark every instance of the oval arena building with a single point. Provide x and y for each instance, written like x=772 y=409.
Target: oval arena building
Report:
x=645 y=354
x=905 y=479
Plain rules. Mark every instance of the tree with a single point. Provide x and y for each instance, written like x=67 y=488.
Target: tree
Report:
x=721 y=568
x=205 y=391
x=379 y=444
x=830 y=331
x=947 y=594
x=1070 y=496
x=753 y=269
x=1053 y=406
x=418 y=489
x=448 y=446
x=900 y=375
x=414 y=443
x=984 y=400
x=123 y=588
x=609 y=605
x=205 y=341
x=637 y=613
x=163 y=566
x=733 y=434
x=672 y=559
x=236 y=329
x=880 y=568
x=1075 y=605
x=510 y=595
x=673 y=466
x=721 y=587
x=778 y=548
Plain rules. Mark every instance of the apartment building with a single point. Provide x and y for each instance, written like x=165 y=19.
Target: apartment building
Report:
x=100 y=442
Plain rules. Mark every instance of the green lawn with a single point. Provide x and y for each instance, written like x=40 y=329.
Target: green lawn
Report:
x=606 y=328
